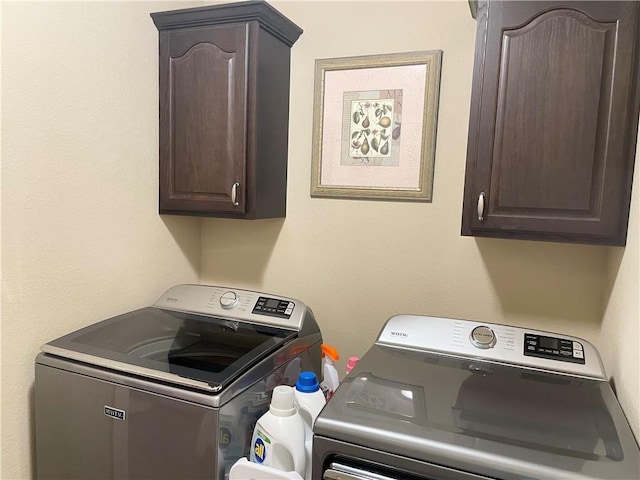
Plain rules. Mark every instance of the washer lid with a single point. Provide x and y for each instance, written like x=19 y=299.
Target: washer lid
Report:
x=198 y=351
x=496 y=420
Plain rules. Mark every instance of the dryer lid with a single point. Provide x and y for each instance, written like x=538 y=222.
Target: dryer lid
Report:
x=492 y=419
x=198 y=351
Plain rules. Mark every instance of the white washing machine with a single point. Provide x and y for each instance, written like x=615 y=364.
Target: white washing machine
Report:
x=446 y=399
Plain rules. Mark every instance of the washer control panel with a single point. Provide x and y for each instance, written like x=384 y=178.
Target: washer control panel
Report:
x=554 y=348
x=236 y=304
x=273 y=307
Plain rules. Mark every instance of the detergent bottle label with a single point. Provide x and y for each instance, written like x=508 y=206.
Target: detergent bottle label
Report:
x=327 y=391
x=261 y=446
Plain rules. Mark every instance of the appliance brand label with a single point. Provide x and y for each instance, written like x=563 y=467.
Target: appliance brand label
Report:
x=115 y=413
x=399 y=334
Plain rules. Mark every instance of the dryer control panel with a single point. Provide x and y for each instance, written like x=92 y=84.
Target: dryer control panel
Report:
x=494 y=342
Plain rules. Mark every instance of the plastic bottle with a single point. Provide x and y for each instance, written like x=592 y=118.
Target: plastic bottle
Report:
x=243 y=469
x=353 y=361
x=330 y=378
x=278 y=437
x=310 y=401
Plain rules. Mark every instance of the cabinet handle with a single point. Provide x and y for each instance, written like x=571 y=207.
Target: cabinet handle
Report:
x=481 y=206
x=234 y=194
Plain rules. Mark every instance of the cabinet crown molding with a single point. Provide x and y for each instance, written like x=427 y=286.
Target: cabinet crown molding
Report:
x=223 y=14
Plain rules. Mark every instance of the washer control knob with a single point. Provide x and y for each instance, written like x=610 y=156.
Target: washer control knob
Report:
x=228 y=299
x=483 y=337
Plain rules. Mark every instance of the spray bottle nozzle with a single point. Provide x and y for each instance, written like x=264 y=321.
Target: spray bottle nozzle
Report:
x=330 y=352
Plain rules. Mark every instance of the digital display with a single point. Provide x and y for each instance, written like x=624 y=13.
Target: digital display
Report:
x=562 y=349
x=273 y=307
x=271 y=303
x=548 y=342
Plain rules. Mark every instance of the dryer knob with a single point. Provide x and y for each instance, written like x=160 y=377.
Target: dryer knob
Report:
x=228 y=299
x=483 y=337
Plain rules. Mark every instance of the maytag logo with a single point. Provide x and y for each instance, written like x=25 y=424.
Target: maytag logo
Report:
x=399 y=334
x=115 y=413
x=171 y=299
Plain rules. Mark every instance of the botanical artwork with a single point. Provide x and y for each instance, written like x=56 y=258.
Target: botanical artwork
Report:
x=374 y=126
x=371 y=128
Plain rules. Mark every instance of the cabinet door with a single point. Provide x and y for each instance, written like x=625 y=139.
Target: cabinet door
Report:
x=203 y=91
x=554 y=119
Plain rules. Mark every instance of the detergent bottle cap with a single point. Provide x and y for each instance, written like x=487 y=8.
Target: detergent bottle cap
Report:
x=329 y=353
x=282 y=401
x=307 y=383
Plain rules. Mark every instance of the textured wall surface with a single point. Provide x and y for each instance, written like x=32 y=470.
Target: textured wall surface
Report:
x=620 y=332
x=81 y=237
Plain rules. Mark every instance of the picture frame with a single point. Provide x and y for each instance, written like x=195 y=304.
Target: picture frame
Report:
x=374 y=126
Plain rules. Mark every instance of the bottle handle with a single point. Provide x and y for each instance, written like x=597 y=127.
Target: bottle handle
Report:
x=299 y=461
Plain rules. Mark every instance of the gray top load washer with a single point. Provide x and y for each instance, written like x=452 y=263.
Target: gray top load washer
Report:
x=452 y=399
x=170 y=391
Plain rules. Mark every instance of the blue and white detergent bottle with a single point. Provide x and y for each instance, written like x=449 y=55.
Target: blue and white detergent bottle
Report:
x=310 y=401
x=279 y=435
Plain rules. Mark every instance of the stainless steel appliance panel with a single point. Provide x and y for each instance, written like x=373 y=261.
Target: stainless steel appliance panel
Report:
x=337 y=460
x=172 y=391
x=198 y=351
x=76 y=439
x=474 y=415
x=96 y=429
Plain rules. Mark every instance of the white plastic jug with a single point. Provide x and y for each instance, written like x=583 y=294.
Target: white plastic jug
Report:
x=243 y=469
x=278 y=437
x=310 y=401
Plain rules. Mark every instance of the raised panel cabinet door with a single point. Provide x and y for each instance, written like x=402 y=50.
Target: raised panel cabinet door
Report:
x=553 y=121
x=203 y=92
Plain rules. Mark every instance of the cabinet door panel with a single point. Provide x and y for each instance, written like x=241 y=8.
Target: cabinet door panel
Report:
x=553 y=104
x=545 y=156
x=204 y=112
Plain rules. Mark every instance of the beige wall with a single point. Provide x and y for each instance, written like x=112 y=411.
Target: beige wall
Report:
x=620 y=333
x=81 y=237
x=358 y=262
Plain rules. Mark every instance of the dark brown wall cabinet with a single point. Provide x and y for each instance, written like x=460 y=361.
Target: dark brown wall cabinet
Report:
x=224 y=110
x=554 y=121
